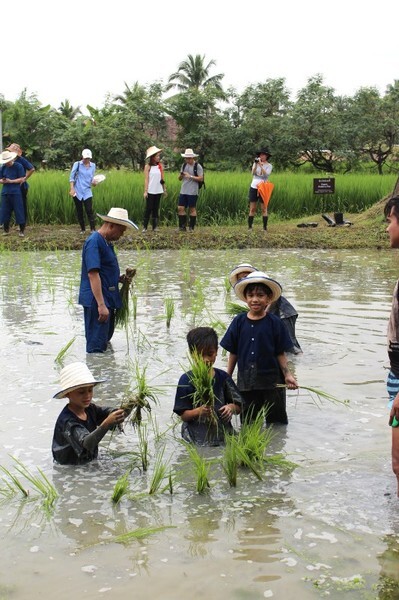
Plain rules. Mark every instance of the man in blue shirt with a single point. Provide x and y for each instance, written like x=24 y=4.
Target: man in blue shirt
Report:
x=99 y=290
x=12 y=176
x=81 y=180
x=28 y=168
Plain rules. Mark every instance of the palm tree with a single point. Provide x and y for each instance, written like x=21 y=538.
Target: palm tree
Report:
x=193 y=73
x=68 y=111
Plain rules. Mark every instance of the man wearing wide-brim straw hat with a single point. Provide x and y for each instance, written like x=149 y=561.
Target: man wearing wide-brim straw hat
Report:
x=100 y=277
x=192 y=174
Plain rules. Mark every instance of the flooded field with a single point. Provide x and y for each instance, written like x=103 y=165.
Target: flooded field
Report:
x=328 y=528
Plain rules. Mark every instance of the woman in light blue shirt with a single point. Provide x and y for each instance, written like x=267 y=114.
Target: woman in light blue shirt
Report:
x=81 y=180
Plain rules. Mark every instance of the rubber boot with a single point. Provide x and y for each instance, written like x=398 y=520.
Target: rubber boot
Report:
x=265 y=219
x=250 y=222
x=182 y=222
x=192 y=222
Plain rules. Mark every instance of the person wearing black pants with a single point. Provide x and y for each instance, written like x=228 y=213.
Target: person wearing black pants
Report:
x=81 y=182
x=154 y=187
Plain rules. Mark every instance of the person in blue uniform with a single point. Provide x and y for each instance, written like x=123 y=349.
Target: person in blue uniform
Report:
x=199 y=425
x=12 y=176
x=80 y=184
x=257 y=342
x=81 y=425
x=29 y=169
x=100 y=277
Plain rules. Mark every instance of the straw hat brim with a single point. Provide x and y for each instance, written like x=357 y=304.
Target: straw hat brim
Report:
x=66 y=391
x=152 y=151
x=5 y=160
x=243 y=268
x=124 y=222
x=275 y=287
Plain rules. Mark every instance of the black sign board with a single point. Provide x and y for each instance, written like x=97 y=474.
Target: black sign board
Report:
x=324 y=186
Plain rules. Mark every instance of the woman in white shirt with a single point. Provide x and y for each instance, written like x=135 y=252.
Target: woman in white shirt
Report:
x=261 y=170
x=154 y=187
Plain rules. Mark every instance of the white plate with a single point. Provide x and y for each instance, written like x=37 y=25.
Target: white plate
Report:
x=98 y=178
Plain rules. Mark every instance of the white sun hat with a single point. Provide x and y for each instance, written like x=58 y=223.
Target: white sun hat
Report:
x=258 y=277
x=86 y=153
x=189 y=153
x=75 y=376
x=98 y=178
x=152 y=150
x=6 y=157
x=241 y=268
x=118 y=216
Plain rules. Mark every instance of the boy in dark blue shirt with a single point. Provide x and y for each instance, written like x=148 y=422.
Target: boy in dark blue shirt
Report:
x=199 y=423
x=257 y=342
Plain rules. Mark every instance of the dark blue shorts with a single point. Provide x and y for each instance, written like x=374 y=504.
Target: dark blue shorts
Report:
x=188 y=201
x=253 y=195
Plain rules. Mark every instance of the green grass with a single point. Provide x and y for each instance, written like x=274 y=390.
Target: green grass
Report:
x=224 y=201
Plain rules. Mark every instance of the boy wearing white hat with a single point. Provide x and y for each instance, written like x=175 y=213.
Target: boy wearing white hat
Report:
x=192 y=174
x=81 y=424
x=100 y=277
x=257 y=342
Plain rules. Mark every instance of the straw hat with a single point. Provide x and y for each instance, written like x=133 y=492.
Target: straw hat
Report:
x=86 y=153
x=258 y=277
x=189 y=153
x=242 y=268
x=15 y=148
x=6 y=157
x=75 y=376
x=118 y=216
x=152 y=150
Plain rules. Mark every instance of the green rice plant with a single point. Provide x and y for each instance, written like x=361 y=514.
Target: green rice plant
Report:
x=61 y=354
x=201 y=466
x=13 y=485
x=138 y=399
x=279 y=461
x=201 y=376
x=40 y=482
x=317 y=396
x=227 y=284
x=122 y=314
x=143 y=445
x=134 y=306
x=121 y=488
x=137 y=534
x=169 y=304
x=159 y=474
x=234 y=308
x=230 y=459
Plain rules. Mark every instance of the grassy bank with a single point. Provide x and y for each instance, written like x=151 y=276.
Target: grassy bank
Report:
x=367 y=231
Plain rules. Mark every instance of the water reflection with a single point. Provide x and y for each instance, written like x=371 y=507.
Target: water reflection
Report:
x=290 y=534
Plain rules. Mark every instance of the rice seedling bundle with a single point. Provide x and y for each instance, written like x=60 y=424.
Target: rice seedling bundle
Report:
x=317 y=396
x=121 y=488
x=122 y=314
x=201 y=467
x=201 y=377
x=139 y=399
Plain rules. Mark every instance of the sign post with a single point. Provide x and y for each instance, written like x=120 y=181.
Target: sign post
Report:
x=325 y=185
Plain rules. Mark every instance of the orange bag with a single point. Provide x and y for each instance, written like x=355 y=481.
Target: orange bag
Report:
x=265 y=190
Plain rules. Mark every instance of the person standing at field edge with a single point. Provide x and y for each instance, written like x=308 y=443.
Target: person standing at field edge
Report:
x=261 y=170
x=192 y=174
x=29 y=169
x=12 y=176
x=80 y=181
x=154 y=187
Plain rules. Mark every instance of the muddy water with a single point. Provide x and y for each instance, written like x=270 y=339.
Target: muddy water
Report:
x=329 y=528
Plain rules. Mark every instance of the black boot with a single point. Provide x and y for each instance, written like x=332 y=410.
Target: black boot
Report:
x=265 y=219
x=250 y=222
x=182 y=222
x=192 y=222
x=154 y=224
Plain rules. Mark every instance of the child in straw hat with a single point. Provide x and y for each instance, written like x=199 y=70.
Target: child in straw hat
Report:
x=81 y=424
x=257 y=342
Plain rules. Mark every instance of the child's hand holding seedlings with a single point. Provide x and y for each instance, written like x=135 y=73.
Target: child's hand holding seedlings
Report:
x=115 y=418
x=227 y=411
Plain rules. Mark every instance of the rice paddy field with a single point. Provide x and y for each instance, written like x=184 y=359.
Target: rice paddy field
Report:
x=223 y=201
x=152 y=518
